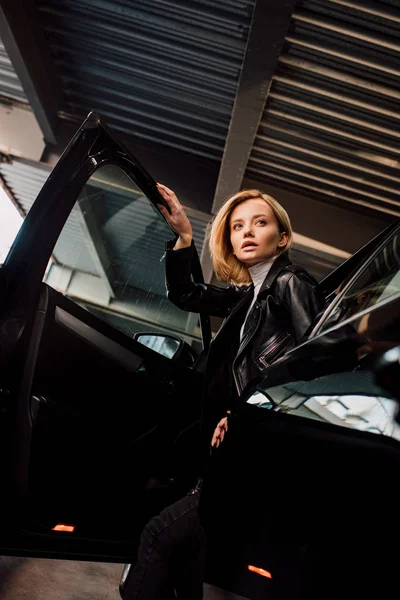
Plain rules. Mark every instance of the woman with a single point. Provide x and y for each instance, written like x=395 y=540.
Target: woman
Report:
x=267 y=306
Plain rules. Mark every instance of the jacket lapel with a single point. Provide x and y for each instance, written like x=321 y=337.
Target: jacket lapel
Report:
x=245 y=299
x=280 y=263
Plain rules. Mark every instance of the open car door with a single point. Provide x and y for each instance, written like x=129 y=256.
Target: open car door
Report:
x=100 y=373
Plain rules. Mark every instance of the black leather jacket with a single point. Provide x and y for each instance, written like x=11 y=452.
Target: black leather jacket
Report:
x=286 y=305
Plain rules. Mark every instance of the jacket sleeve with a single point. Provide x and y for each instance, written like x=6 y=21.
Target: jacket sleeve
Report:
x=189 y=295
x=303 y=301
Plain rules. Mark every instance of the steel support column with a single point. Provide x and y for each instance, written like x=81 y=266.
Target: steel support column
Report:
x=23 y=40
x=270 y=22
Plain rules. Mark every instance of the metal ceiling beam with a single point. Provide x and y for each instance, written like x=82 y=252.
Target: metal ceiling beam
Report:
x=23 y=40
x=267 y=33
x=269 y=25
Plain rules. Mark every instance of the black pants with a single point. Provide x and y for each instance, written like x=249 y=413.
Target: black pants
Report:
x=171 y=555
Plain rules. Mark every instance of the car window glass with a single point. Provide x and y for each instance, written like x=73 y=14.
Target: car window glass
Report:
x=332 y=379
x=109 y=259
x=378 y=281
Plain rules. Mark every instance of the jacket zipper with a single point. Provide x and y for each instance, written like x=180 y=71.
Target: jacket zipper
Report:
x=280 y=344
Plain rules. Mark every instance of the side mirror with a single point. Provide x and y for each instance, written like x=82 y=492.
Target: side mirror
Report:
x=387 y=374
x=169 y=346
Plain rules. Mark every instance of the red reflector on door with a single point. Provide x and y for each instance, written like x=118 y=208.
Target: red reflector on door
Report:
x=62 y=527
x=259 y=571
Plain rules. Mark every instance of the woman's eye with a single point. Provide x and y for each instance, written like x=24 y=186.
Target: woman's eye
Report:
x=261 y=222
x=236 y=226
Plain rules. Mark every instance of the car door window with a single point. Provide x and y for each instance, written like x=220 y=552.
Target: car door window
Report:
x=109 y=259
x=342 y=390
x=378 y=281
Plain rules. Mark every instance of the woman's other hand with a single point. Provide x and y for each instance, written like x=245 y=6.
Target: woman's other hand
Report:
x=177 y=218
x=219 y=433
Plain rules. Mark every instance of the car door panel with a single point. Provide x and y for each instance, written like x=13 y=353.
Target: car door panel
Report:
x=116 y=352
x=294 y=493
x=100 y=408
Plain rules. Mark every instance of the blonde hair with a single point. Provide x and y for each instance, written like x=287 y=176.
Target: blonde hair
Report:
x=226 y=266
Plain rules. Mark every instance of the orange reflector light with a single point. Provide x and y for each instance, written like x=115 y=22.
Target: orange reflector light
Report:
x=259 y=571
x=62 y=527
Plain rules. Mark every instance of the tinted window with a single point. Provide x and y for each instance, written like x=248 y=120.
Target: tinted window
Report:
x=331 y=378
x=379 y=280
x=109 y=259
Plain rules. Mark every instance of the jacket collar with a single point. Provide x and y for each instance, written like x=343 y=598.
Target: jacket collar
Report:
x=280 y=263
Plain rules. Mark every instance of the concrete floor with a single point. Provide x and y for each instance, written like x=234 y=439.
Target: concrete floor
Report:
x=46 y=579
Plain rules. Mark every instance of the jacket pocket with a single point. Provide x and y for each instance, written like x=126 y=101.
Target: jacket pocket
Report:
x=274 y=349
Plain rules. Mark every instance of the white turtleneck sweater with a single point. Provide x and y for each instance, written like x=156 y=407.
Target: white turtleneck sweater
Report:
x=258 y=273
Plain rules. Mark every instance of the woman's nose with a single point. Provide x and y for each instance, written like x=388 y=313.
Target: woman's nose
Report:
x=248 y=232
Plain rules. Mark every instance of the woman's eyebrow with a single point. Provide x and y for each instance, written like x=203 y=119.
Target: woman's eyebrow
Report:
x=253 y=217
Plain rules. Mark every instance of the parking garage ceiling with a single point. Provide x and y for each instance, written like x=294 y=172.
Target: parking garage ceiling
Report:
x=298 y=98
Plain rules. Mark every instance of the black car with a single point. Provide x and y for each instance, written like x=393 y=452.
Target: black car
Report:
x=101 y=408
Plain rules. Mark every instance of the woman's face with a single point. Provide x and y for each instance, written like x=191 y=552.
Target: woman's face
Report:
x=254 y=232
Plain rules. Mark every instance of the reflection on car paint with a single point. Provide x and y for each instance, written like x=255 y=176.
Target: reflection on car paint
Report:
x=366 y=413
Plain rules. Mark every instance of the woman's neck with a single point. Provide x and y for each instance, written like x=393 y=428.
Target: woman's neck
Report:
x=259 y=271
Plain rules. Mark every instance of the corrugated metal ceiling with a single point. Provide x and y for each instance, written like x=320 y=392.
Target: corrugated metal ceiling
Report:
x=331 y=124
x=163 y=70
x=167 y=71
x=25 y=179
x=10 y=85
